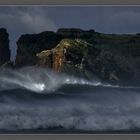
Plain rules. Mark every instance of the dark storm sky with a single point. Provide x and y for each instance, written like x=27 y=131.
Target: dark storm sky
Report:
x=33 y=19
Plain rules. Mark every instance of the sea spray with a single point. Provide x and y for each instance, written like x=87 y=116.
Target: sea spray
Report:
x=99 y=107
x=42 y=80
x=104 y=110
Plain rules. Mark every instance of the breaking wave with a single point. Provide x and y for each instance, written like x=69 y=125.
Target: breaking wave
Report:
x=109 y=107
x=101 y=111
x=42 y=80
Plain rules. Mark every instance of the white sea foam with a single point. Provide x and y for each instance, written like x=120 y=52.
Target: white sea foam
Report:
x=103 y=110
x=42 y=80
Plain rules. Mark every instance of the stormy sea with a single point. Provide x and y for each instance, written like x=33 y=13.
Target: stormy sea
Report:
x=35 y=100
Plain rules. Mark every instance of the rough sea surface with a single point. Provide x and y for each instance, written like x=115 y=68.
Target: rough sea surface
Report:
x=40 y=101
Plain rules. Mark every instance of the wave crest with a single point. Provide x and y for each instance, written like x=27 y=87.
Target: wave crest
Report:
x=41 y=80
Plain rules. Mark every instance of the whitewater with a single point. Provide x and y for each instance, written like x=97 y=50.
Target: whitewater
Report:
x=42 y=80
x=40 y=99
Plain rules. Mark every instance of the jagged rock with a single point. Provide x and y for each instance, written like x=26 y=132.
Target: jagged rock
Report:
x=112 y=57
x=29 y=45
x=69 y=56
x=45 y=58
x=77 y=57
x=4 y=46
x=108 y=68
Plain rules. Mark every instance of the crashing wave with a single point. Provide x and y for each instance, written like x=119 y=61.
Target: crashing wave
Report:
x=42 y=80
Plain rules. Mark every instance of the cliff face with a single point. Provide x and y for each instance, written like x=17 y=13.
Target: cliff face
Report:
x=4 y=46
x=77 y=57
x=87 y=53
x=29 y=45
x=70 y=55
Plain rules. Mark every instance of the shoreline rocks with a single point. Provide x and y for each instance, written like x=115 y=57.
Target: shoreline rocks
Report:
x=4 y=46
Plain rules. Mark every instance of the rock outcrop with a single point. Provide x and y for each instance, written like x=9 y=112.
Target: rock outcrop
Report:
x=77 y=57
x=109 y=56
x=70 y=56
x=29 y=45
x=4 y=46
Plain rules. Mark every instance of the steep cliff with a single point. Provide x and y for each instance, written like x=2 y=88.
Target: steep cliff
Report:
x=77 y=57
x=69 y=56
x=4 y=46
x=30 y=44
x=109 y=56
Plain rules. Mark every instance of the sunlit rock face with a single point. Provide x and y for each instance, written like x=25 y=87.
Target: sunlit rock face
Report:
x=70 y=56
x=79 y=52
x=4 y=46
x=77 y=57
x=80 y=58
x=29 y=45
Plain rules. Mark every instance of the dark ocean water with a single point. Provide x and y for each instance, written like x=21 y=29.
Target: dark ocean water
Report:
x=40 y=101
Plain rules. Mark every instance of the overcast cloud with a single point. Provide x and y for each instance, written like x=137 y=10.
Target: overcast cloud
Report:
x=33 y=19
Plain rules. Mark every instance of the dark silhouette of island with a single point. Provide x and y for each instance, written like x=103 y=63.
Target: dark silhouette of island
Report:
x=111 y=57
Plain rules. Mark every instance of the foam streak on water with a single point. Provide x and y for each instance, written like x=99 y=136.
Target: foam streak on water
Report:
x=95 y=109
x=42 y=80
